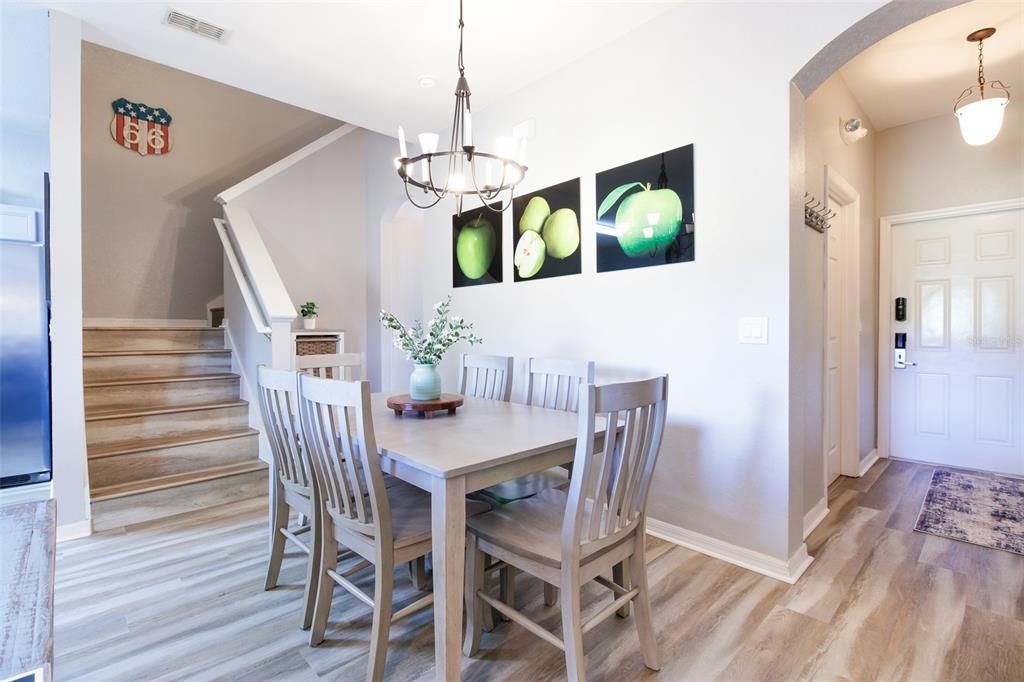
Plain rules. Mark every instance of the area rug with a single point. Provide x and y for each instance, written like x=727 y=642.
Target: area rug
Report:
x=981 y=509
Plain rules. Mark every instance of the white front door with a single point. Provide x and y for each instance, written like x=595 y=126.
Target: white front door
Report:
x=960 y=400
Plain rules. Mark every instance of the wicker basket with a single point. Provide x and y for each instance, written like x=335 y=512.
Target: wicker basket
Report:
x=316 y=345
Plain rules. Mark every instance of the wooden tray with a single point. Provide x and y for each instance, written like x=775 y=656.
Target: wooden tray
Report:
x=425 y=408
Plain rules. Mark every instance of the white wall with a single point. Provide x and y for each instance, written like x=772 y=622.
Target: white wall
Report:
x=927 y=165
x=824 y=108
x=70 y=474
x=725 y=467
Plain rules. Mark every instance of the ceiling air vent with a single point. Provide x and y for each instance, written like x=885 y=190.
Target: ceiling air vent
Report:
x=195 y=25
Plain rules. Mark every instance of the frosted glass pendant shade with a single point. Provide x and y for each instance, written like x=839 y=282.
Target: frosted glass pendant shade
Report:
x=980 y=121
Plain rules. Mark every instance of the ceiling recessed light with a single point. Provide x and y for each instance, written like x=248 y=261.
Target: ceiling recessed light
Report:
x=427 y=82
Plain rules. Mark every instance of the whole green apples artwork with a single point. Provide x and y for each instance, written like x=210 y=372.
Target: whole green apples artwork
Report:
x=546 y=232
x=476 y=247
x=645 y=212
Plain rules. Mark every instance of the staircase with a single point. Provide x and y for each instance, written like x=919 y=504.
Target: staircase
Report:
x=165 y=429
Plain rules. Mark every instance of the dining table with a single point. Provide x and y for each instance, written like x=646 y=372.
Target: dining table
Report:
x=486 y=442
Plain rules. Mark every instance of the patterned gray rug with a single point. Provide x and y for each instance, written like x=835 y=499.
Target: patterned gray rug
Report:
x=982 y=509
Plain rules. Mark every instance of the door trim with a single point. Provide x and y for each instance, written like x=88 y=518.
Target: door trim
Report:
x=849 y=338
x=885 y=227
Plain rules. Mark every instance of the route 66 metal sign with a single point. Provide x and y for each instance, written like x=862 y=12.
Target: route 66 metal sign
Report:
x=140 y=127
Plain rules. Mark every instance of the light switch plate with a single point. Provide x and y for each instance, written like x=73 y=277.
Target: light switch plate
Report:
x=754 y=330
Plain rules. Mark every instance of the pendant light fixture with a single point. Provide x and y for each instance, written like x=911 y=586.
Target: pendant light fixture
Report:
x=461 y=170
x=980 y=113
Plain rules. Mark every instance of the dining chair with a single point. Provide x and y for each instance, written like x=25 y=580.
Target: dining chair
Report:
x=348 y=366
x=486 y=376
x=383 y=525
x=292 y=479
x=553 y=384
x=571 y=538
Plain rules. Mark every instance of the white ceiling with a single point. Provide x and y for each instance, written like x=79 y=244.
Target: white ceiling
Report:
x=918 y=73
x=361 y=61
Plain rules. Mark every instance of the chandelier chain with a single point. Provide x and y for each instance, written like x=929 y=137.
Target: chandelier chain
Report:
x=981 y=64
x=462 y=24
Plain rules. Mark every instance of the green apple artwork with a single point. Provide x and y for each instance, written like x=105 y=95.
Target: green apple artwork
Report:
x=546 y=238
x=645 y=212
x=477 y=248
x=646 y=221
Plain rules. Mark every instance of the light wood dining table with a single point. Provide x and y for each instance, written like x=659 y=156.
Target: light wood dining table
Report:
x=484 y=443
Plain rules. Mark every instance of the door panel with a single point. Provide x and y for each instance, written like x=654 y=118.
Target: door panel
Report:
x=833 y=349
x=960 y=401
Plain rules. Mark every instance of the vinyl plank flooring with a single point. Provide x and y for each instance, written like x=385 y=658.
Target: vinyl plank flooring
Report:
x=779 y=649
x=182 y=598
x=865 y=482
x=931 y=618
x=862 y=625
x=820 y=591
x=904 y=515
x=989 y=647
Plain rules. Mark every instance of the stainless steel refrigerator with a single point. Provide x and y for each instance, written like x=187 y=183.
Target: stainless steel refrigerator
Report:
x=25 y=452
x=24 y=359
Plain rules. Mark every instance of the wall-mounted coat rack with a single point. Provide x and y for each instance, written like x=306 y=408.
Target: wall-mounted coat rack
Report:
x=816 y=215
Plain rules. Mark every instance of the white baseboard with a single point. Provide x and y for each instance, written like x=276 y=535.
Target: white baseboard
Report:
x=815 y=516
x=36 y=492
x=73 y=531
x=786 y=571
x=143 y=322
x=868 y=462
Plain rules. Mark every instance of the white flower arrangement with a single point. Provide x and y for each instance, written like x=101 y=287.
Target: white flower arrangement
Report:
x=426 y=344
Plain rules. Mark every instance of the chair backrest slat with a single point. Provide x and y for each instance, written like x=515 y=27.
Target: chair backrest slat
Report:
x=609 y=488
x=555 y=383
x=336 y=415
x=347 y=366
x=278 y=396
x=486 y=376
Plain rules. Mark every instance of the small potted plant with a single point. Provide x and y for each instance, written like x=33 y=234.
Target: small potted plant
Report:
x=308 y=311
x=426 y=344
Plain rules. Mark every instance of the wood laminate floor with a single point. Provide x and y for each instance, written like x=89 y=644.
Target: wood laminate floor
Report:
x=183 y=599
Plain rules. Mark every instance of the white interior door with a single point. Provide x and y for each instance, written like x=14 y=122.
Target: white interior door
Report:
x=833 y=344
x=961 y=404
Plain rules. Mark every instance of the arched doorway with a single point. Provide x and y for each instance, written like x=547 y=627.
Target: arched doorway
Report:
x=808 y=324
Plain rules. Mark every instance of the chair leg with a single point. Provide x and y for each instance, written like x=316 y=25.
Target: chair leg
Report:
x=279 y=520
x=490 y=615
x=572 y=625
x=382 y=607
x=550 y=594
x=620 y=576
x=508 y=589
x=313 y=571
x=644 y=626
x=475 y=607
x=418 y=573
x=325 y=583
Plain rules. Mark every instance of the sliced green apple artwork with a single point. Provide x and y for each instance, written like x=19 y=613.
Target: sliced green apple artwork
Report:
x=645 y=212
x=546 y=238
x=477 y=248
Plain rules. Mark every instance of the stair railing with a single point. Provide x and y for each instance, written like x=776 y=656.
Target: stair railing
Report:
x=263 y=291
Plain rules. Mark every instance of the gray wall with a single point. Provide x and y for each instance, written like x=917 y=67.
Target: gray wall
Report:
x=724 y=471
x=826 y=106
x=149 y=249
x=321 y=220
x=927 y=165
